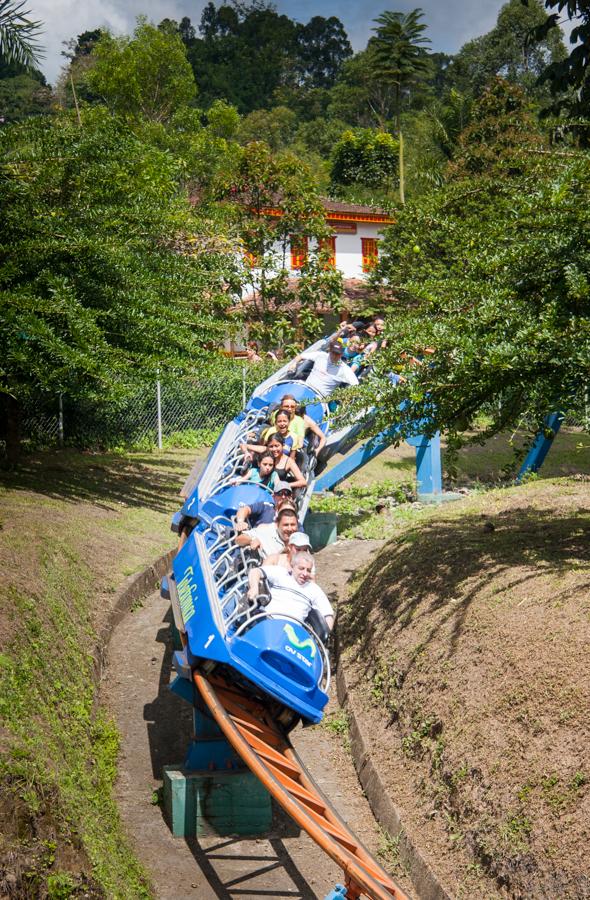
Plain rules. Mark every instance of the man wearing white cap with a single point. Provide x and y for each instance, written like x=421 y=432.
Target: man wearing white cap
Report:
x=329 y=371
x=297 y=542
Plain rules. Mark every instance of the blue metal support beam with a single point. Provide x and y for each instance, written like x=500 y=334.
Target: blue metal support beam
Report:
x=339 y=893
x=428 y=464
x=542 y=444
x=360 y=457
x=208 y=750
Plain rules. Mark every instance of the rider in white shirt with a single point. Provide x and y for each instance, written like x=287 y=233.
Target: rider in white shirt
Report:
x=329 y=371
x=292 y=593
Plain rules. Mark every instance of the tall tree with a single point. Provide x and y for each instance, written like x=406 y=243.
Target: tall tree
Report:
x=322 y=46
x=102 y=276
x=244 y=54
x=18 y=34
x=358 y=97
x=147 y=75
x=508 y=50
x=72 y=86
x=569 y=77
x=399 y=59
x=255 y=58
x=187 y=31
x=82 y=45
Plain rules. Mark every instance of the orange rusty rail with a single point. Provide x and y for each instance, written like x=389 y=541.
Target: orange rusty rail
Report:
x=253 y=734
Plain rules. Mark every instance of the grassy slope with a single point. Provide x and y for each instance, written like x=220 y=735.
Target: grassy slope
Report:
x=392 y=475
x=468 y=636
x=65 y=546
x=72 y=527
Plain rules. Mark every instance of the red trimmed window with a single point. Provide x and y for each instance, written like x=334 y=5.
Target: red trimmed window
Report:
x=329 y=245
x=251 y=259
x=370 y=253
x=298 y=250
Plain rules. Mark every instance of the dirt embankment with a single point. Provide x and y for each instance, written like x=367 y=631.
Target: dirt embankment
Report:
x=72 y=527
x=466 y=644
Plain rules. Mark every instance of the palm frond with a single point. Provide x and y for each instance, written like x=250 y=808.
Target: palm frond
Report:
x=18 y=34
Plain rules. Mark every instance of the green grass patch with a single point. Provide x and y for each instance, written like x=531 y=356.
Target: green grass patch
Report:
x=357 y=506
x=73 y=524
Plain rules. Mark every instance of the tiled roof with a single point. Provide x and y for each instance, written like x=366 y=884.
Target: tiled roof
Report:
x=339 y=206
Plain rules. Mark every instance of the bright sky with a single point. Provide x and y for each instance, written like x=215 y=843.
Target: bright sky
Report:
x=450 y=22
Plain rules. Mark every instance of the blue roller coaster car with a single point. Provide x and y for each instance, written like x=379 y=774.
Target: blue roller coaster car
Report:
x=281 y=660
x=277 y=658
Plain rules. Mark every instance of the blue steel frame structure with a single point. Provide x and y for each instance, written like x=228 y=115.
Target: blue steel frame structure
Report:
x=428 y=462
x=541 y=445
x=428 y=457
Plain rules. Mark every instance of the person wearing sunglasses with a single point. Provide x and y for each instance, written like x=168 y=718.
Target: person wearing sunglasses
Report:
x=263 y=512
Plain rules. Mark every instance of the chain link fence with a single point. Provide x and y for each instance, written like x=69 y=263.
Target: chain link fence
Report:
x=173 y=413
x=181 y=413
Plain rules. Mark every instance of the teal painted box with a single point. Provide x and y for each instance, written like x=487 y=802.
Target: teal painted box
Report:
x=209 y=803
x=321 y=528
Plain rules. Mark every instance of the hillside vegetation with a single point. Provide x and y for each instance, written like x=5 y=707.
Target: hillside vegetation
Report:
x=72 y=527
x=466 y=641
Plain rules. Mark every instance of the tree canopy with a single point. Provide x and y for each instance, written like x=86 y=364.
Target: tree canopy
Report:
x=322 y=46
x=147 y=74
x=509 y=50
x=493 y=272
x=106 y=273
x=365 y=157
x=568 y=76
x=248 y=53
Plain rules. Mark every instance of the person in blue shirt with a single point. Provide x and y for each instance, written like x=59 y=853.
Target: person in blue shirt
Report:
x=263 y=512
x=262 y=472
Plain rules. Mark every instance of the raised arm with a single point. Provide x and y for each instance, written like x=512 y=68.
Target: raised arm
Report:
x=248 y=449
x=312 y=426
x=299 y=479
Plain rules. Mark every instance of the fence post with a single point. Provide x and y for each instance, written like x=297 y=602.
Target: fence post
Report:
x=60 y=421
x=243 y=386
x=159 y=405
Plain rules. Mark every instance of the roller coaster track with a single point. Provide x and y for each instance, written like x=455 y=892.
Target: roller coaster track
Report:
x=253 y=734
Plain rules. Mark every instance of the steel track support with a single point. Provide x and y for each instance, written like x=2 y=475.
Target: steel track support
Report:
x=212 y=792
x=542 y=445
x=339 y=893
x=428 y=465
x=428 y=462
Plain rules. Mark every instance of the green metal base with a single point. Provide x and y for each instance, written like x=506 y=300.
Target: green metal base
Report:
x=321 y=528
x=221 y=803
x=445 y=497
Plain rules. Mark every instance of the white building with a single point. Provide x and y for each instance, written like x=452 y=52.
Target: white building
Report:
x=354 y=250
x=354 y=244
